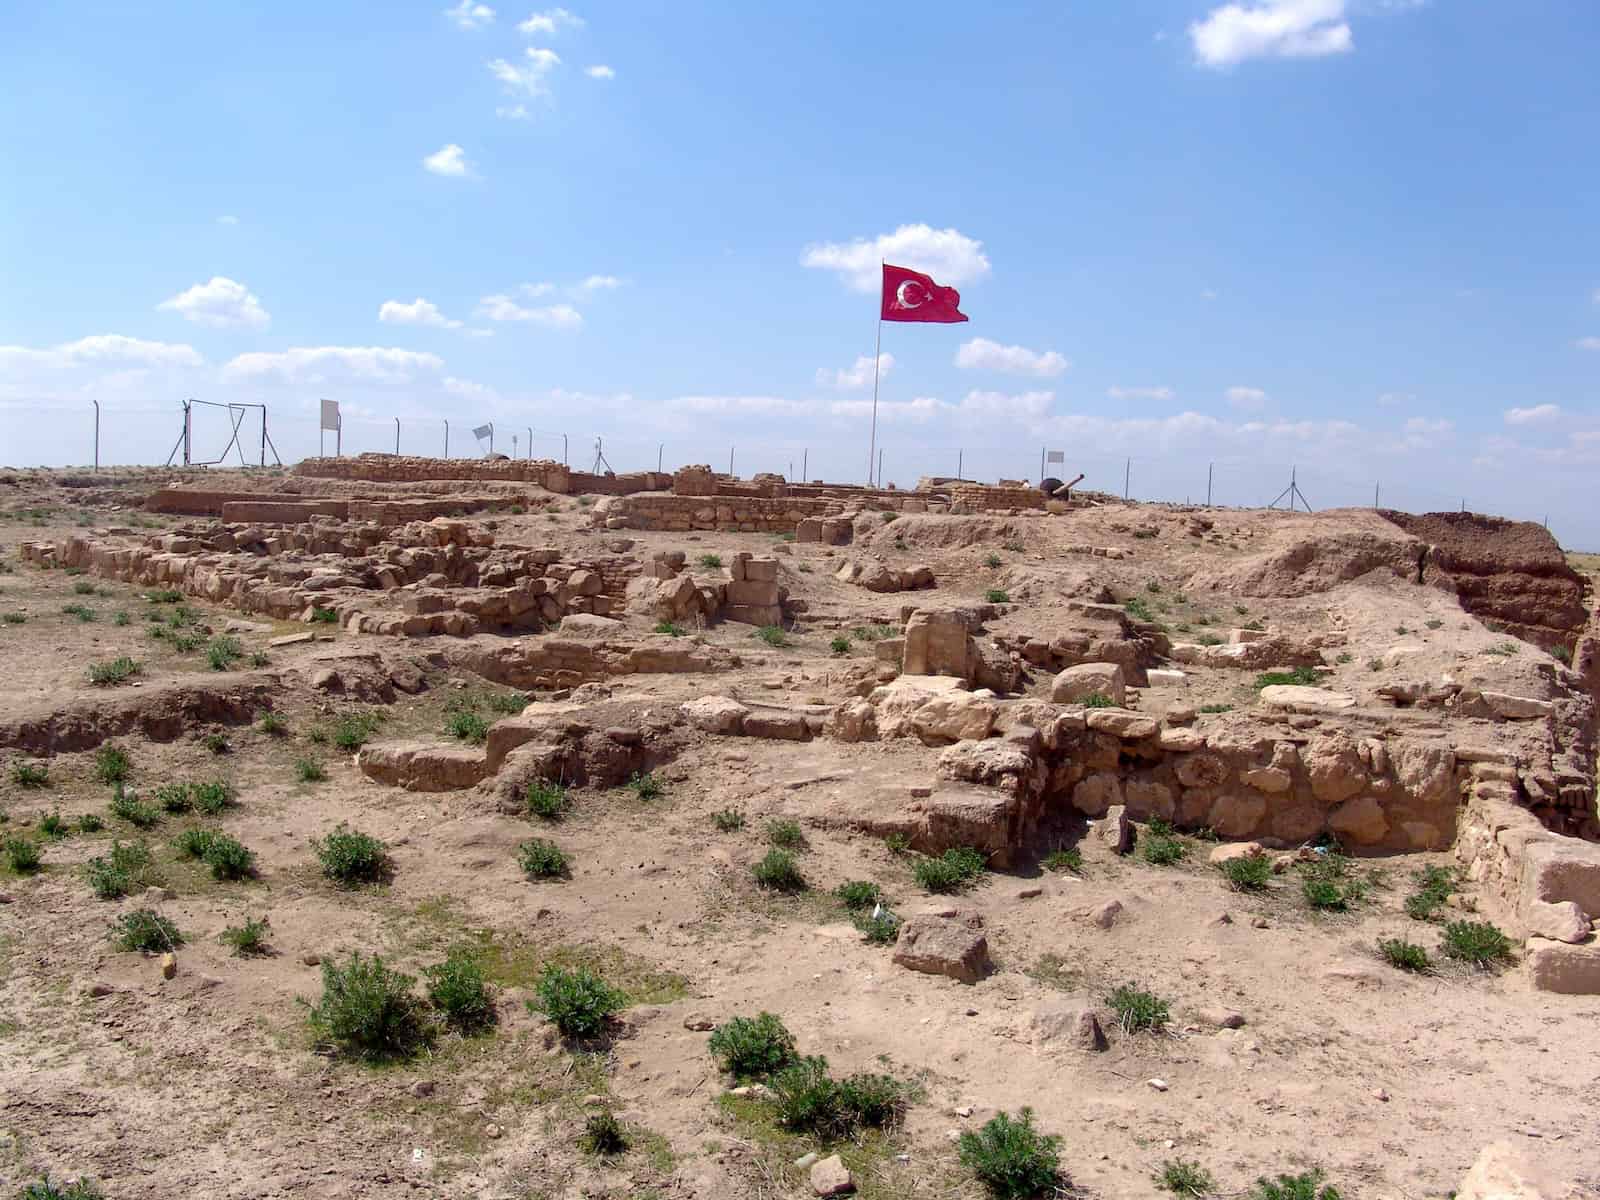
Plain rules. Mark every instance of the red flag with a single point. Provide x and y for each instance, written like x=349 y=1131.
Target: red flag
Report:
x=912 y=296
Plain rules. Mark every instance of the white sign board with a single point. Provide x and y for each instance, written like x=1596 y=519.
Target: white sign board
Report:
x=483 y=431
x=330 y=414
x=1059 y=456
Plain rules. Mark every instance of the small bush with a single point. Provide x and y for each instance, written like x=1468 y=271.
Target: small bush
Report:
x=165 y=596
x=309 y=770
x=786 y=834
x=578 y=1002
x=603 y=1135
x=808 y=1100
x=227 y=857
x=646 y=786
x=1325 y=895
x=116 y=873
x=146 y=931
x=248 y=940
x=324 y=616
x=896 y=843
x=368 y=1011
x=1098 y=700
x=90 y=823
x=880 y=926
x=1137 y=1009
x=1476 y=942
x=457 y=989
x=955 y=869
x=259 y=660
x=272 y=724
x=1011 y=1158
x=541 y=859
x=1307 y=1185
x=29 y=775
x=1433 y=888
x=1345 y=657
x=548 y=801
x=1069 y=859
x=80 y=1189
x=1434 y=623
x=223 y=652
x=211 y=797
x=82 y=612
x=1184 y=1178
x=670 y=628
x=23 y=855
x=16 y=618
x=1374 y=664
x=753 y=1047
x=1299 y=677
x=118 y=670
x=1216 y=708
x=840 y=645
x=53 y=826
x=217 y=743
x=773 y=635
x=858 y=894
x=349 y=857
x=997 y=596
x=110 y=765
x=469 y=727
x=778 y=872
x=728 y=820
x=354 y=730
x=1251 y=873
x=192 y=843
x=710 y=561
x=874 y=633
x=888 y=516
x=992 y=561
x=174 y=797
x=1407 y=956
x=120 y=618
x=1161 y=849
x=1136 y=608
x=126 y=806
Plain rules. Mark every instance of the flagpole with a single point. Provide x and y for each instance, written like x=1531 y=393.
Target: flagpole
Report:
x=877 y=358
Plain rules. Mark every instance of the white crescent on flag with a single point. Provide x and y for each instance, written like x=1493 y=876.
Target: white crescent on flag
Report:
x=911 y=294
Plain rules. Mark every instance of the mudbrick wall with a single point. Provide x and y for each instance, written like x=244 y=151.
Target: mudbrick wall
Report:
x=549 y=475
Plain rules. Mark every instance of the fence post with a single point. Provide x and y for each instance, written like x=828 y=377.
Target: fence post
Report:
x=96 y=404
x=1127 y=474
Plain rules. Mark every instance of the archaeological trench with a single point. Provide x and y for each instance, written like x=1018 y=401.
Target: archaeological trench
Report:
x=1050 y=706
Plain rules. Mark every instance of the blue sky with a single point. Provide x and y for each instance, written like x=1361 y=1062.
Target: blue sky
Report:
x=1353 y=236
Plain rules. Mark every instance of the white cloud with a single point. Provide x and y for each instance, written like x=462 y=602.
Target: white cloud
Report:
x=1234 y=33
x=1207 y=294
x=748 y=405
x=1140 y=393
x=315 y=364
x=418 y=312
x=535 y=290
x=227 y=219
x=599 y=283
x=1005 y=404
x=599 y=71
x=221 y=303
x=1248 y=398
x=503 y=308
x=1589 y=343
x=102 y=349
x=891 y=412
x=950 y=256
x=528 y=78
x=1539 y=414
x=470 y=15
x=550 y=21
x=1421 y=425
x=513 y=112
x=984 y=355
x=1390 y=399
x=857 y=375
x=449 y=160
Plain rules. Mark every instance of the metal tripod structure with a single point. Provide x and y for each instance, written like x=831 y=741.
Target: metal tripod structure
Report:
x=236 y=415
x=1293 y=492
x=600 y=461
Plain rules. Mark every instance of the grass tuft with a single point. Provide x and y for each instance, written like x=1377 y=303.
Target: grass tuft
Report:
x=779 y=872
x=250 y=939
x=1068 y=859
x=953 y=871
x=1404 y=955
x=1251 y=873
x=457 y=989
x=349 y=857
x=547 y=801
x=542 y=859
x=1477 y=943
x=1183 y=1178
x=773 y=635
x=368 y=1011
x=578 y=1002
x=728 y=820
x=29 y=775
x=146 y=931
x=753 y=1047
x=118 y=670
x=1013 y=1159
x=1138 y=1009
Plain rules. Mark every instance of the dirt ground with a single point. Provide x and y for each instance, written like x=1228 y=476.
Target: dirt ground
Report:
x=209 y=1084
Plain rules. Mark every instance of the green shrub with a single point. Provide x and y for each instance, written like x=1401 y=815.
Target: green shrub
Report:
x=120 y=618
x=223 y=652
x=1138 y=1009
x=646 y=786
x=541 y=859
x=753 y=1047
x=603 y=1135
x=125 y=805
x=1407 y=956
x=1250 y=873
x=309 y=770
x=248 y=940
x=1011 y=1158
x=997 y=596
x=806 y=1099
x=548 y=801
x=29 y=775
x=1560 y=653
x=259 y=660
x=324 y=616
x=1098 y=700
x=773 y=635
x=779 y=872
x=992 y=561
x=53 y=826
x=880 y=926
x=81 y=1189
x=227 y=857
x=116 y=873
x=16 y=618
x=23 y=855
x=90 y=823
x=578 y=1002
x=1136 y=608
x=840 y=645
x=354 y=730
x=896 y=843
x=1325 y=895
x=193 y=843
x=728 y=820
x=174 y=797
x=670 y=628
x=1299 y=677
x=165 y=596
x=147 y=931
x=1161 y=849
x=82 y=612
x=110 y=765
x=858 y=894
x=211 y=797
x=710 y=561
x=1307 y=1185
x=1432 y=890
x=786 y=834
x=469 y=727
x=349 y=857
x=955 y=869
x=272 y=724
x=1069 y=859
x=1184 y=1178
x=217 y=743
x=1476 y=942
x=1215 y=708
x=874 y=633
x=368 y=1011
x=457 y=989
x=888 y=516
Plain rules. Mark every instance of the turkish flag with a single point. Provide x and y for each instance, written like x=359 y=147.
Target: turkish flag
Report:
x=912 y=296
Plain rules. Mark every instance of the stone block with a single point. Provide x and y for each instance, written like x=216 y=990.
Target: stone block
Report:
x=938 y=946
x=1078 y=683
x=1559 y=967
